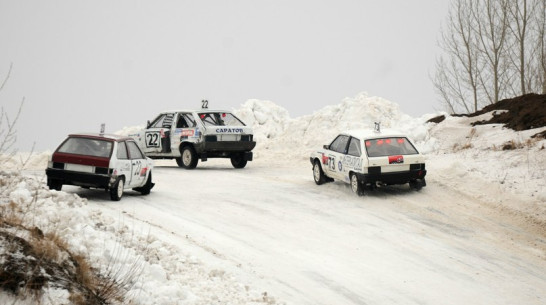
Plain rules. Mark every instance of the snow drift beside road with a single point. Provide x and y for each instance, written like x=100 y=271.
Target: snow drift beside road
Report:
x=279 y=135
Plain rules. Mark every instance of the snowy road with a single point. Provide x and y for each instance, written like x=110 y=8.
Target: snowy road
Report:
x=269 y=225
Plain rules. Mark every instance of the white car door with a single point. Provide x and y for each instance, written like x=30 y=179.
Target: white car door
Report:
x=139 y=167
x=157 y=135
x=123 y=163
x=337 y=149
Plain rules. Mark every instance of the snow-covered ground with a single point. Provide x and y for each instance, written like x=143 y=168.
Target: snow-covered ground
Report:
x=268 y=235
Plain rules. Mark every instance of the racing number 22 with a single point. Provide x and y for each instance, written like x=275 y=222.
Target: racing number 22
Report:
x=152 y=139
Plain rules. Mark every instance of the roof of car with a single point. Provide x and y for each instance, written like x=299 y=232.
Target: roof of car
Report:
x=372 y=134
x=109 y=137
x=196 y=110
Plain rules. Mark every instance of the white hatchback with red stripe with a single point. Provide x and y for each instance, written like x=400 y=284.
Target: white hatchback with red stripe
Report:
x=109 y=162
x=367 y=159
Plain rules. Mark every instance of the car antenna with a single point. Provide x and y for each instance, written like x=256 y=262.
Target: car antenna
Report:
x=102 y=127
x=377 y=127
x=204 y=104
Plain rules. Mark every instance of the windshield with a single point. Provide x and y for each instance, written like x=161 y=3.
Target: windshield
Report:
x=389 y=147
x=220 y=119
x=87 y=147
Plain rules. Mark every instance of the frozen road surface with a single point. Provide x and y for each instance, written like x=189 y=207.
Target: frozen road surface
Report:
x=271 y=226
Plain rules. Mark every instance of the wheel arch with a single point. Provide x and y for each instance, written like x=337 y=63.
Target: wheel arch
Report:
x=184 y=144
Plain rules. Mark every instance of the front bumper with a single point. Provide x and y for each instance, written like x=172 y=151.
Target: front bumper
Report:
x=225 y=146
x=224 y=149
x=78 y=178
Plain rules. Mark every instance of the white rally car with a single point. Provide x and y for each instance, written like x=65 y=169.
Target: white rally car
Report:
x=189 y=135
x=109 y=162
x=367 y=159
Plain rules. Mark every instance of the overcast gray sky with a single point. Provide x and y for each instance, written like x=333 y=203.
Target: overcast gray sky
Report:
x=82 y=63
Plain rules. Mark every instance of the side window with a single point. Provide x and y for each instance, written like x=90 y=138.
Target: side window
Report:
x=189 y=119
x=158 y=122
x=340 y=144
x=134 y=151
x=354 y=147
x=181 y=123
x=122 y=151
x=163 y=121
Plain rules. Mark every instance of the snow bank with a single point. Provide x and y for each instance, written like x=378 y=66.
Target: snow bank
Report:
x=500 y=157
x=155 y=272
x=278 y=135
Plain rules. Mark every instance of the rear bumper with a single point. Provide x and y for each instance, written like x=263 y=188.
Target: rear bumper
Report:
x=78 y=178
x=374 y=176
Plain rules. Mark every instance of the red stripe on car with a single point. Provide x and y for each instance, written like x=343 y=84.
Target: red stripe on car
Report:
x=80 y=159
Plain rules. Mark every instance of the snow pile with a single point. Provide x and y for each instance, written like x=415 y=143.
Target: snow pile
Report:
x=278 y=135
x=155 y=272
x=21 y=161
x=503 y=159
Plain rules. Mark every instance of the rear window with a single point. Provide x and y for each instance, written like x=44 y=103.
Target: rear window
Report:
x=389 y=147
x=87 y=147
x=220 y=119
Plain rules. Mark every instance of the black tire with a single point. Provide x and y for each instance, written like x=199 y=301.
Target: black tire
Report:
x=318 y=174
x=147 y=188
x=238 y=161
x=179 y=162
x=416 y=185
x=54 y=184
x=356 y=185
x=116 y=191
x=189 y=157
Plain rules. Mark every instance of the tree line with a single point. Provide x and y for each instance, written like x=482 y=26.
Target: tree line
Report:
x=493 y=49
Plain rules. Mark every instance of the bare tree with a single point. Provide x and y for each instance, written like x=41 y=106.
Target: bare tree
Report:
x=540 y=74
x=456 y=79
x=493 y=49
x=522 y=54
x=8 y=133
x=492 y=20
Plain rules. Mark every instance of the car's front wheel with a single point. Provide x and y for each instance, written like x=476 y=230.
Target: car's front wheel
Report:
x=189 y=157
x=318 y=174
x=116 y=191
x=356 y=185
x=238 y=161
x=179 y=162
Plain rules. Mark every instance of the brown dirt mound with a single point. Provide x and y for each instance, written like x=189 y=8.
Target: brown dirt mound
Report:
x=524 y=112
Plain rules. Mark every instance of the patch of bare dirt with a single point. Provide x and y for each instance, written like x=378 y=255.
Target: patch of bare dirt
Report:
x=521 y=113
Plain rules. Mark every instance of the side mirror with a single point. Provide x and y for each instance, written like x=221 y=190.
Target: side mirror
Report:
x=326 y=147
x=147 y=124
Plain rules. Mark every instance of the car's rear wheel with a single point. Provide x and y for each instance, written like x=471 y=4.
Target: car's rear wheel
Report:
x=238 y=161
x=54 y=184
x=416 y=185
x=179 y=162
x=147 y=188
x=318 y=174
x=356 y=185
x=189 y=157
x=116 y=191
